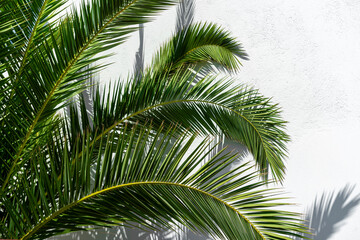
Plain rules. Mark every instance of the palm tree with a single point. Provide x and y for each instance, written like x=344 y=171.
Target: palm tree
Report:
x=127 y=160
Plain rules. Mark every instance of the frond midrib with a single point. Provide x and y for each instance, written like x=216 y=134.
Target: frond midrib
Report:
x=63 y=209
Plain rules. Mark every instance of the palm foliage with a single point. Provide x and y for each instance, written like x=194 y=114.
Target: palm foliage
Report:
x=138 y=180
x=199 y=44
x=208 y=106
x=117 y=162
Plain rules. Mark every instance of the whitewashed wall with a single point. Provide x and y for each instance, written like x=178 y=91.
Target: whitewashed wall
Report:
x=306 y=55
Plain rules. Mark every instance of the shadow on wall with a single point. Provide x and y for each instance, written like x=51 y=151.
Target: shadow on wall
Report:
x=164 y=235
x=139 y=55
x=124 y=233
x=327 y=212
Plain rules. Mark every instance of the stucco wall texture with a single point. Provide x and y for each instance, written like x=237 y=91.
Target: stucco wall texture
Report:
x=306 y=55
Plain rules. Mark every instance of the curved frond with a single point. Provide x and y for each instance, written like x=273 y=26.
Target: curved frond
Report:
x=200 y=44
x=209 y=106
x=146 y=179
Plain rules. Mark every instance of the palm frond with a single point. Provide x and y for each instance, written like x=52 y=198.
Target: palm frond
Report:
x=200 y=44
x=58 y=61
x=145 y=180
x=210 y=106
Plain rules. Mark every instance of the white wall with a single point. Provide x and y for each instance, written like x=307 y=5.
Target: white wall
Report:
x=306 y=55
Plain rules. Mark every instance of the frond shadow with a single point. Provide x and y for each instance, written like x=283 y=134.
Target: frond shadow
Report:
x=167 y=234
x=328 y=211
x=139 y=56
x=185 y=14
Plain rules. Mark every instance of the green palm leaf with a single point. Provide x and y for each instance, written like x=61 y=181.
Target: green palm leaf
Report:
x=209 y=106
x=145 y=179
x=201 y=44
